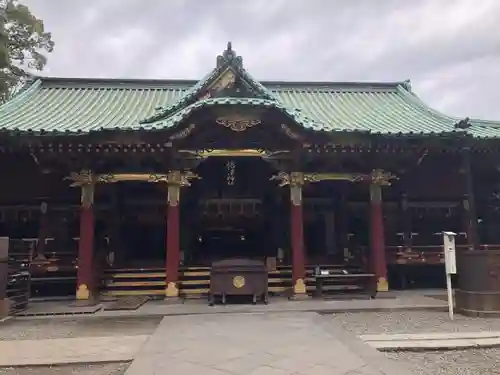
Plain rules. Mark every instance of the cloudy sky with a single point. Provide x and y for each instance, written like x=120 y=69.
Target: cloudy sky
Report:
x=450 y=49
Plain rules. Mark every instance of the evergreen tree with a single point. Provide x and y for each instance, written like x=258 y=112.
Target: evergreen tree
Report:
x=23 y=44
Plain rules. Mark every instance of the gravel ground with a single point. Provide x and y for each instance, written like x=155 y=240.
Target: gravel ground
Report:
x=39 y=329
x=88 y=369
x=412 y=322
x=460 y=362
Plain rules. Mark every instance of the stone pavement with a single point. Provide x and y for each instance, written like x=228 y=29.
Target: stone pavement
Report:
x=70 y=350
x=257 y=344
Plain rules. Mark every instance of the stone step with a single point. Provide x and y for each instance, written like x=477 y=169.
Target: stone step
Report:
x=433 y=341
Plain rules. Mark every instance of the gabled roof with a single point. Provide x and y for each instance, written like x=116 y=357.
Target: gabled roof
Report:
x=229 y=67
x=66 y=105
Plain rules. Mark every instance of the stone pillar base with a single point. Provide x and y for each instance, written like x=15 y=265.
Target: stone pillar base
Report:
x=299 y=297
x=4 y=308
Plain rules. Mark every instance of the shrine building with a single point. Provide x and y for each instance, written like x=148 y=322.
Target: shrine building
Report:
x=135 y=186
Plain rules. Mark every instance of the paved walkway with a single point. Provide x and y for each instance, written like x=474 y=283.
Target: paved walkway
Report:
x=72 y=350
x=257 y=344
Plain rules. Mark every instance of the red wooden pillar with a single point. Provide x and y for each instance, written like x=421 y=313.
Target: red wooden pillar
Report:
x=85 y=275
x=174 y=181
x=469 y=202
x=377 y=241
x=297 y=234
x=4 y=271
x=43 y=231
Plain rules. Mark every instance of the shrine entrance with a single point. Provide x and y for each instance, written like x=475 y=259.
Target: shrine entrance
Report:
x=230 y=228
x=233 y=207
x=142 y=225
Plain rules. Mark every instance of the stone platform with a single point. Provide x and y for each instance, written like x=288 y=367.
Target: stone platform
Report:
x=392 y=301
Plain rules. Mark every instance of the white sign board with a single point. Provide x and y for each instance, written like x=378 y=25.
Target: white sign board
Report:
x=450 y=257
x=451 y=266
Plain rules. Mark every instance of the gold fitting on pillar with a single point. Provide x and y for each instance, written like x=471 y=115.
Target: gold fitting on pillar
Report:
x=381 y=178
x=86 y=180
x=88 y=195
x=171 y=290
x=296 y=194
x=299 y=287
x=174 y=194
x=175 y=180
x=382 y=285
x=82 y=293
x=375 y=193
x=296 y=182
x=466 y=204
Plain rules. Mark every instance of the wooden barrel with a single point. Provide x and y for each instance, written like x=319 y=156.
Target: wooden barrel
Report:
x=478 y=292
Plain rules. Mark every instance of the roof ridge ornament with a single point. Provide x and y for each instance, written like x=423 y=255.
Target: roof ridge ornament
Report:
x=407 y=84
x=463 y=124
x=230 y=57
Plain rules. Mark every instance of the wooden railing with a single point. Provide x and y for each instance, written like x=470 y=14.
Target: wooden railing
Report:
x=424 y=254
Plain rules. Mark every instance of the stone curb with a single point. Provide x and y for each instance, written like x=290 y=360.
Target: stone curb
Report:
x=381 y=309
x=433 y=341
x=64 y=363
x=432 y=336
x=437 y=348
x=320 y=311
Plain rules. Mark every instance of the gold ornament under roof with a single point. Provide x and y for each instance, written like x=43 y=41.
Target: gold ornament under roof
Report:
x=237 y=122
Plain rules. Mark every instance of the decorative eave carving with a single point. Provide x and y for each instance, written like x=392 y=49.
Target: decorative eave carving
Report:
x=232 y=153
x=299 y=178
x=290 y=133
x=175 y=177
x=226 y=80
x=84 y=177
x=183 y=133
x=237 y=122
x=381 y=178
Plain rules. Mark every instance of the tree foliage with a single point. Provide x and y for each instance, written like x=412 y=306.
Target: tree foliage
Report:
x=23 y=45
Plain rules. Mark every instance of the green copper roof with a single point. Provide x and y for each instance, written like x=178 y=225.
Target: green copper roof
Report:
x=63 y=105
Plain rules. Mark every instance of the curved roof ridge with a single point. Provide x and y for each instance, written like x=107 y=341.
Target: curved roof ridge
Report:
x=480 y=122
x=162 y=112
x=415 y=99
x=21 y=96
x=183 y=113
x=193 y=91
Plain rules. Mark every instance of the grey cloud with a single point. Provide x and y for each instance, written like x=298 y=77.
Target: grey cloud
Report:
x=450 y=49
